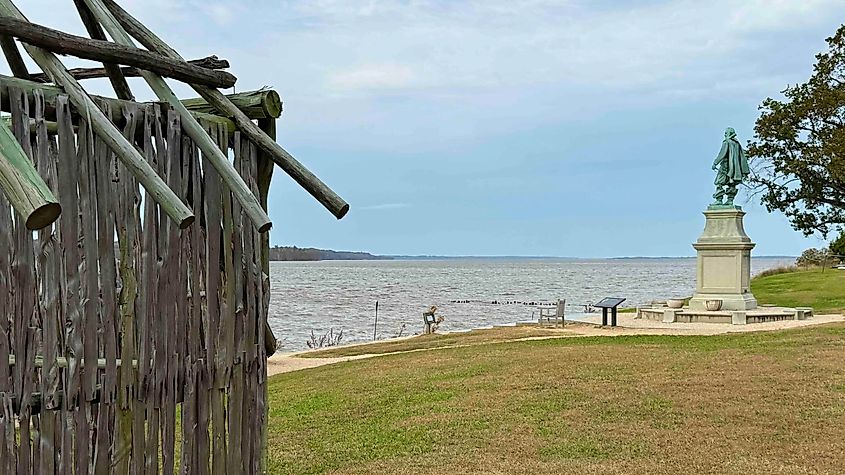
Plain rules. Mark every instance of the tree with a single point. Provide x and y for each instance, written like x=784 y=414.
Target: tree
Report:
x=813 y=258
x=798 y=150
x=837 y=247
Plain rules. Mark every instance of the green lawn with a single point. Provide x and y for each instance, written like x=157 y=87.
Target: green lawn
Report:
x=771 y=402
x=824 y=291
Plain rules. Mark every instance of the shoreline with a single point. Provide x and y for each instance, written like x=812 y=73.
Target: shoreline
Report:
x=628 y=326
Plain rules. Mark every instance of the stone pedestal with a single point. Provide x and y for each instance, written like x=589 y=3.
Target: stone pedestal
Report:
x=724 y=261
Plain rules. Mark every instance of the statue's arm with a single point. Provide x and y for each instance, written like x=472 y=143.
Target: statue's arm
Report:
x=723 y=153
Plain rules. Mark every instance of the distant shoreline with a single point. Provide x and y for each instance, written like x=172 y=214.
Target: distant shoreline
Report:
x=295 y=254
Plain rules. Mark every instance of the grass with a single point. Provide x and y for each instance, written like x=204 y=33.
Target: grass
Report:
x=771 y=402
x=824 y=291
x=436 y=340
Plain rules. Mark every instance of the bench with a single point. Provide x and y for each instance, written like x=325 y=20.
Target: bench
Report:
x=553 y=315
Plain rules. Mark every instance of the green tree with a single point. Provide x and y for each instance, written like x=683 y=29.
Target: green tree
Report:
x=798 y=150
x=838 y=245
x=813 y=258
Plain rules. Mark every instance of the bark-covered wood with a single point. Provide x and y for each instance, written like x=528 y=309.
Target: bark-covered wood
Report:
x=13 y=57
x=22 y=185
x=104 y=345
x=114 y=106
x=260 y=104
x=59 y=42
x=319 y=190
x=112 y=70
x=209 y=62
x=105 y=129
x=232 y=180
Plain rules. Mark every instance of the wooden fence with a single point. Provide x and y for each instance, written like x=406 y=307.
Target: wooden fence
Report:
x=127 y=344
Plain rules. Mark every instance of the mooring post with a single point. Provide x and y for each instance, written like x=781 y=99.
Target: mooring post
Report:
x=375 y=325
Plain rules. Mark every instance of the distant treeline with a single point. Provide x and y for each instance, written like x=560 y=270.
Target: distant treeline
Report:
x=285 y=253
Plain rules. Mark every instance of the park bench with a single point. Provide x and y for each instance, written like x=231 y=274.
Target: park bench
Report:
x=553 y=315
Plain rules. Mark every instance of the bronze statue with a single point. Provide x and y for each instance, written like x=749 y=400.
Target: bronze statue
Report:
x=731 y=168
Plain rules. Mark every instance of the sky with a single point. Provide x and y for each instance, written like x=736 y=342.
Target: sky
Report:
x=540 y=128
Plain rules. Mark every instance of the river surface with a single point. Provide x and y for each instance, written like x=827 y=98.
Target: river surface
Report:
x=342 y=295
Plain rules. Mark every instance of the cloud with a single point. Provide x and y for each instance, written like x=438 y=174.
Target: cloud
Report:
x=373 y=77
x=384 y=206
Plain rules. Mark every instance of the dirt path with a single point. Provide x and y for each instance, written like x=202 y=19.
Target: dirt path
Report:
x=628 y=325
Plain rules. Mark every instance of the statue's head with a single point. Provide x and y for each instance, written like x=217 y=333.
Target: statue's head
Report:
x=730 y=133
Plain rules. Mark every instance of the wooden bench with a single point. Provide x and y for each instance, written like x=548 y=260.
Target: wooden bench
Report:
x=553 y=315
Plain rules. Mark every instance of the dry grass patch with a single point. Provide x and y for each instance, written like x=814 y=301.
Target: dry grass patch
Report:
x=442 y=340
x=734 y=404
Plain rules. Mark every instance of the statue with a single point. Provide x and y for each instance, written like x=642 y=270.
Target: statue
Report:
x=731 y=168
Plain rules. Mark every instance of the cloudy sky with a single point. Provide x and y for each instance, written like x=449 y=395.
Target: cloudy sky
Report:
x=538 y=127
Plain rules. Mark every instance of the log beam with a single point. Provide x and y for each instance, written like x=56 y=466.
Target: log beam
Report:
x=112 y=70
x=234 y=182
x=59 y=42
x=209 y=62
x=254 y=101
x=13 y=56
x=319 y=190
x=123 y=149
x=260 y=104
x=22 y=185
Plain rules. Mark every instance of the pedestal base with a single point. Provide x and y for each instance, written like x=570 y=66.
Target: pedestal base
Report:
x=729 y=301
x=724 y=262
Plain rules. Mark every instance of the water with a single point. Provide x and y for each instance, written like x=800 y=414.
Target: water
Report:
x=341 y=295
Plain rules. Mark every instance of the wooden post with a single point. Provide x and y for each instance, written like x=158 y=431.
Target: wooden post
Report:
x=220 y=162
x=24 y=188
x=328 y=198
x=265 y=176
x=107 y=52
x=105 y=129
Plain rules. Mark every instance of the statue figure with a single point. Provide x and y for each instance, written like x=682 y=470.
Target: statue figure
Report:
x=731 y=168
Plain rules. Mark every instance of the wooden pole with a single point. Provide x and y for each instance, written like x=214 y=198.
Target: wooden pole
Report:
x=217 y=158
x=209 y=62
x=22 y=185
x=13 y=56
x=127 y=153
x=107 y=52
x=328 y=198
x=112 y=70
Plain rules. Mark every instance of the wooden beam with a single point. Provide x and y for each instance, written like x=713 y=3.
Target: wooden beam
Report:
x=328 y=198
x=250 y=100
x=123 y=149
x=209 y=62
x=22 y=185
x=112 y=70
x=53 y=126
x=13 y=56
x=260 y=104
x=192 y=128
x=107 y=52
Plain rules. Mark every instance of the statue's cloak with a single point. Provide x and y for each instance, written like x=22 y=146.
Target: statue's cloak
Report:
x=732 y=163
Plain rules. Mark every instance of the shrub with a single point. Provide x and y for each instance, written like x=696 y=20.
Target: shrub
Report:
x=329 y=339
x=777 y=270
